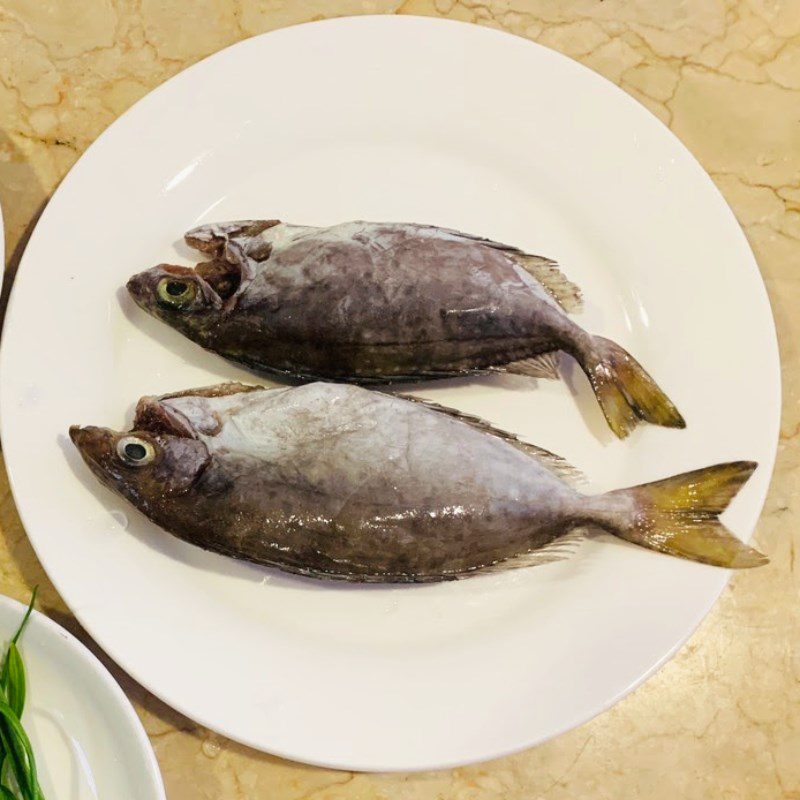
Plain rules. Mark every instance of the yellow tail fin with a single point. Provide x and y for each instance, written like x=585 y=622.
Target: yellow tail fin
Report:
x=626 y=393
x=679 y=516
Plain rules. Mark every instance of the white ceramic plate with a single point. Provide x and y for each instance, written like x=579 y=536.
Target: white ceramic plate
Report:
x=88 y=741
x=389 y=119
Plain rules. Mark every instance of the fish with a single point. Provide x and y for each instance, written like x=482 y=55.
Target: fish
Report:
x=335 y=481
x=369 y=302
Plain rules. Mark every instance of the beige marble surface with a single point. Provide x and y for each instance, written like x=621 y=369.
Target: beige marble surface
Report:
x=722 y=719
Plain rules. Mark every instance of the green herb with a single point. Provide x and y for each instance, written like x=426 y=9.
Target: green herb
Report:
x=15 y=679
x=18 y=777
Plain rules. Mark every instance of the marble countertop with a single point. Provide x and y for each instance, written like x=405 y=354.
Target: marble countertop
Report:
x=722 y=719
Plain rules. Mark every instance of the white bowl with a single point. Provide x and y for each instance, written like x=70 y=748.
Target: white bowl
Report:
x=87 y=739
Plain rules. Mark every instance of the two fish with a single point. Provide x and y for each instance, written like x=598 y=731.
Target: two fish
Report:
x=333 y=481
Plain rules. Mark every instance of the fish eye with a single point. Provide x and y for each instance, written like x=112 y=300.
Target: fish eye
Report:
x=176 y=292
x=135 y=452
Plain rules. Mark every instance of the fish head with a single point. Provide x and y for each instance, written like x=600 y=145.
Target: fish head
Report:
x=147 y=468
x=179 y=296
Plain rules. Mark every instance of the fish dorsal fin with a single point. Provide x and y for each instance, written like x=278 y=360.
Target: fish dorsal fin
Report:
x=555 y=463
x=508 y=248
x=544 y=270
x=541 y=366
x=567 y=294
x=217 y=390
x=559 y=549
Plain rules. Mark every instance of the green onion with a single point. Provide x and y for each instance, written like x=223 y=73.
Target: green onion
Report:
x=7 y=779
x=18 y=738
x=18 y=776
x=27 y=616
x=15 y=680
x=17 y=762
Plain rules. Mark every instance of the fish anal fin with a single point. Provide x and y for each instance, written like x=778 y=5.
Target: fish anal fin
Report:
x=541 y=366
x=560 y=549
x=555 y=463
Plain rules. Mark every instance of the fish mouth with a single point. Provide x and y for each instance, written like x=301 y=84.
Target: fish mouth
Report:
x=83 y=437
x=93 y=443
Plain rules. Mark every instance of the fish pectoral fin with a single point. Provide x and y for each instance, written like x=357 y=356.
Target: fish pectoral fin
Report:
x=556 y=464
x=541 y=366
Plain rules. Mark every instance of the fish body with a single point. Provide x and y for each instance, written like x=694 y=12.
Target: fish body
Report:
x=334 y=481
x=380 y=302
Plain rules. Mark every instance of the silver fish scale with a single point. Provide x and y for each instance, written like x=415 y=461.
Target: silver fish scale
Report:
x=366 y=473
x=387 y=449
x=302 y=284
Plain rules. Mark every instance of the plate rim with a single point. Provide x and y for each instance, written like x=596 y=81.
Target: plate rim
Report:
x=763 y=299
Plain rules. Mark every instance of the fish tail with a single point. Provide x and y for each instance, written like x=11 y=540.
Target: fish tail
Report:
x=626 y=393
x=680 y=515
